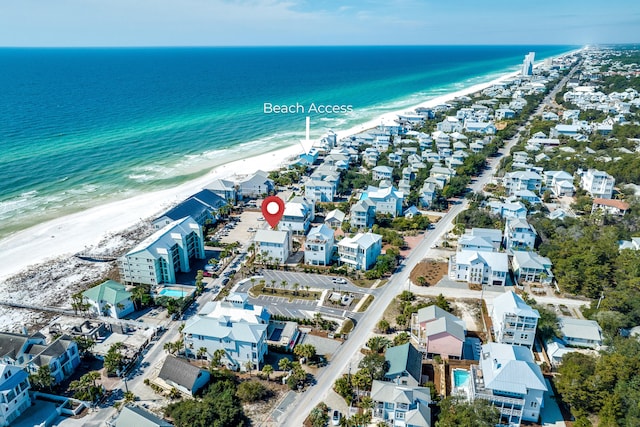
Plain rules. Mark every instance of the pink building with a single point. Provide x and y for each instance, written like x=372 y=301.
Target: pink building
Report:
x=438 y=332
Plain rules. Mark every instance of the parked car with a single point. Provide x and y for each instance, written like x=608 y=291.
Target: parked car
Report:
x=335 y=419
x=340 y=281
x=207 y=273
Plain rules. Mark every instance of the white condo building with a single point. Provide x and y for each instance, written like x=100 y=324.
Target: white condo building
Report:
x=360 y=251
x=166 y=252
x=514 y=322
x=527 y=64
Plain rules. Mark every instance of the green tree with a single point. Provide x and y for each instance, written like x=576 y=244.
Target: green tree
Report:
x=267 y=370
x=375 y=364
x=383 y=326
x=252 y=391
x=378 y=344
x=401 y=338
x=114 y=360
x=457 y=412
x=308 y=351
x=343 y=387
x=284 y=364
x=42 y=379
x=319 y=416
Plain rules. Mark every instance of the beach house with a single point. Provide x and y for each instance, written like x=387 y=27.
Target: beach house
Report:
x=382 y=172
x=530 y=267
x=610 y=206
x=202 y=207
x=597 y=183
x=514 y=321
x=507 y=209
x=387 y=200
x=519 y=235
x=298 y=214
x=110 y=299
x=334 y=219
x=509 y=379
x=14 y=393
x=438 y=332
x=559 y=183
x=319 y=190
x=319 y=245
x=481 y=239
x=31 y=352
x=255 y=185
x=225 y=189
x=401 y=405
x=159 y=257
x=522 y=180
x=405 y=365
x=233 y=326
x=360 y=251
x=273 y=244
x=481 y=268
x=362 y=213
x=185 y=377
x=580 y=332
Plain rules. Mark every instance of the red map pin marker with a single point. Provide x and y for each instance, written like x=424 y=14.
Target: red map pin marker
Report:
x=272 y=210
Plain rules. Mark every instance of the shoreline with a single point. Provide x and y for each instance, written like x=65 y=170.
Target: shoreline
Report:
x=70 y=234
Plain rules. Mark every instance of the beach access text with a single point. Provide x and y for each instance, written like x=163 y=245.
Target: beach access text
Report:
x=297 y=108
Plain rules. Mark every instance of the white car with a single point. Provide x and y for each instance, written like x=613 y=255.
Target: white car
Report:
x=340 y=281
x=335 y=419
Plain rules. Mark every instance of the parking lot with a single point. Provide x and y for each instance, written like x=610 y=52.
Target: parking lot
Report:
x=314 y=281
x=243 y=230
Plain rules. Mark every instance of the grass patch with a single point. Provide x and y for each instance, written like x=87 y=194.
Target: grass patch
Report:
x=365 y=305
x=285 y=293
x=364 y=283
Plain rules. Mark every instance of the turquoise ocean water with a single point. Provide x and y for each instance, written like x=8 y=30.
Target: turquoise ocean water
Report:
x=81 y=127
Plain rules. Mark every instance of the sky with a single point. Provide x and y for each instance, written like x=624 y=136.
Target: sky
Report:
x=316 y=22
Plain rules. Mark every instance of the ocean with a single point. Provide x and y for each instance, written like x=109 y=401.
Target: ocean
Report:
x=81 y=127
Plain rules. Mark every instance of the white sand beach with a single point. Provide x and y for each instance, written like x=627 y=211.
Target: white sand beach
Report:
x=70 y=234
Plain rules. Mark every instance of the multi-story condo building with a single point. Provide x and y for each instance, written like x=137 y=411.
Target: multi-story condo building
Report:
x=166 y=252
x=360 y=251
x=274 y=244
x=234 y=326
x=597 y=183
x=514 y=322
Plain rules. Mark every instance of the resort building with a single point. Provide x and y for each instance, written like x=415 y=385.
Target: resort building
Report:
x=401 y=405
x=438 y=332
x=159 y=257
x=224 y=189
x=405 y=365
x=519 y=235
x=514 y=322
x=273 y=244
x=202 y=206
x=318 y=247
x=298 y=214
x=14 y=393
x=234 y=326
x=509 y=379
x=530 y=267
x=597 y=183
x=182 y=375
x=480 y=268
x=109 y=299
x=360 y=251
x=580 y=332
x=30 y=352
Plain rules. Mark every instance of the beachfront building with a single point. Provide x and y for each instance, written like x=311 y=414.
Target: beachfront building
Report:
x=400 y=405
x=597 y=183
x=438 y=332
x=519 y=235
x=159 y=257
x=298 y=214
x=360 y=251
x=30 y=352
x=224 y=189
x=202 y=207
x=509 y=379
x=362 y=213
x=527 y=64
x=318 y=248
x=514 y=322
x=110 y=299
x=273 y=244
x=234 y=326
x=14 y=393
x=479 y=268
x=255 y=185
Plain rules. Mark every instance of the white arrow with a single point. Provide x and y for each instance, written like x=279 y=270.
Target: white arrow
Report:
x=307 y=144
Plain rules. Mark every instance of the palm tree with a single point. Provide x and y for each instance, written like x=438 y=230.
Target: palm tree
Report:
x=317 y=317
x=202 y=351
x=248 y=365
x=273 y=285
x=284 y=364
x=284 y=285
x=307 y=288
x=295 y=288
x=378 y=343
x=267 y=370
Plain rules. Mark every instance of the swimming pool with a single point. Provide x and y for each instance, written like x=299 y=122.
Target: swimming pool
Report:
x=173 y=293
x=460 y=378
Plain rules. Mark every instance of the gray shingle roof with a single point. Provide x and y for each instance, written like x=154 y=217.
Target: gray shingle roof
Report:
x=179 y=372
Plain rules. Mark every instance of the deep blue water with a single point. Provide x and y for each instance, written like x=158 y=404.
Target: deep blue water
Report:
x=79 y=127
